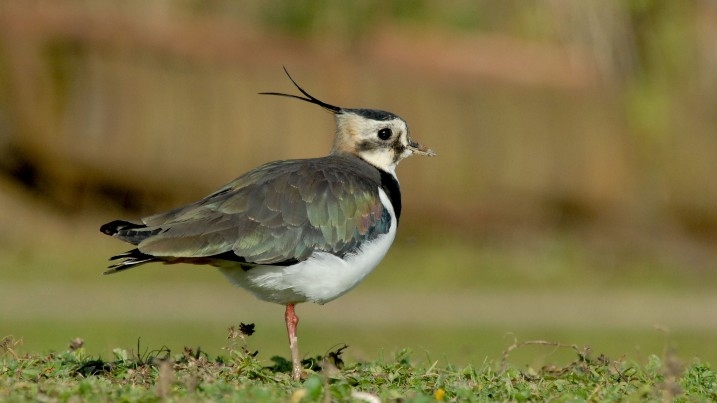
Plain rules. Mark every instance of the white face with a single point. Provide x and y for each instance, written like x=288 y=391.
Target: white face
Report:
x=382 y=143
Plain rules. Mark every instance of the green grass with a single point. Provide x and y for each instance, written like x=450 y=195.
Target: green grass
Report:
x=458 y=345
x=456 y=301
x=239 y=376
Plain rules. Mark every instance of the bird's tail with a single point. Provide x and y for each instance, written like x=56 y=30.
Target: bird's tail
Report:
x=132 y=233
x=127 y=231
x=129 y=260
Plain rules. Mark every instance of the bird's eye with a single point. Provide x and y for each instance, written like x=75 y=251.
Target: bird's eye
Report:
x=384 y=134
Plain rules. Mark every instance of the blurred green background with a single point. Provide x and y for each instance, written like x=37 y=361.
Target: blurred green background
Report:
x=573 y=198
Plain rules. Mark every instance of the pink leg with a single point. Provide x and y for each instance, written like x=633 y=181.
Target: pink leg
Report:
x=291 y=322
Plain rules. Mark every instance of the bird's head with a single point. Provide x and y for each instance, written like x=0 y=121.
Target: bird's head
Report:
x=378 y=137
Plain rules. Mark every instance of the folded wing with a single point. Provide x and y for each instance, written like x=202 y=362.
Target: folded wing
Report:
x=275 y=214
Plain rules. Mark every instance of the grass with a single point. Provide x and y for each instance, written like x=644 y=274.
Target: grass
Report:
x=456 y=301
x=144 y=375
x=455 y=344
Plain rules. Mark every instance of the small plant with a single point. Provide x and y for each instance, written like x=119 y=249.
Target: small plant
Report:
x=192 y=375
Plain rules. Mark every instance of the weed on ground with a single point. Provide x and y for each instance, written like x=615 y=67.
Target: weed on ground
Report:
x=192 y=375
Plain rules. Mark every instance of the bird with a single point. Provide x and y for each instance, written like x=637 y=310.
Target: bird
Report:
x=290 y=231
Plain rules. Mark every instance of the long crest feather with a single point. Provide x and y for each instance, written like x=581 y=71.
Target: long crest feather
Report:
x=309 y=98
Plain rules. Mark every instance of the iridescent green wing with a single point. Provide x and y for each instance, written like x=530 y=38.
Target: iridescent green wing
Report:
x=278 y=213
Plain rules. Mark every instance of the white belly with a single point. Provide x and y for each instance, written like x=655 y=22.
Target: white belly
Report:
x=321 y=278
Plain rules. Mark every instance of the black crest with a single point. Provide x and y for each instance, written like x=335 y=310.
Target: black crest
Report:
x=309 y=97
x=374 y=114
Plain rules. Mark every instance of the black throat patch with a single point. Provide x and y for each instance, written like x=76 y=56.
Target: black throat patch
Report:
x=389 y=184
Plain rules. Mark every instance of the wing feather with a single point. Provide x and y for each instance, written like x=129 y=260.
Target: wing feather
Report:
x=276 y=213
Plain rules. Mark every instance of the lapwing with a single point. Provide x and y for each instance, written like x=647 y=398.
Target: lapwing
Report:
x=291 y=231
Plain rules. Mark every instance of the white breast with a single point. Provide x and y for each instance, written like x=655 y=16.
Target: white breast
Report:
x=321 y=278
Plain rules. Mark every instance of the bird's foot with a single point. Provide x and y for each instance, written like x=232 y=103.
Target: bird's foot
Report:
x=298 y=374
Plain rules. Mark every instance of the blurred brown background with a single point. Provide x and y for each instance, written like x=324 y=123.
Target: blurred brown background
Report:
x=573 y=195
